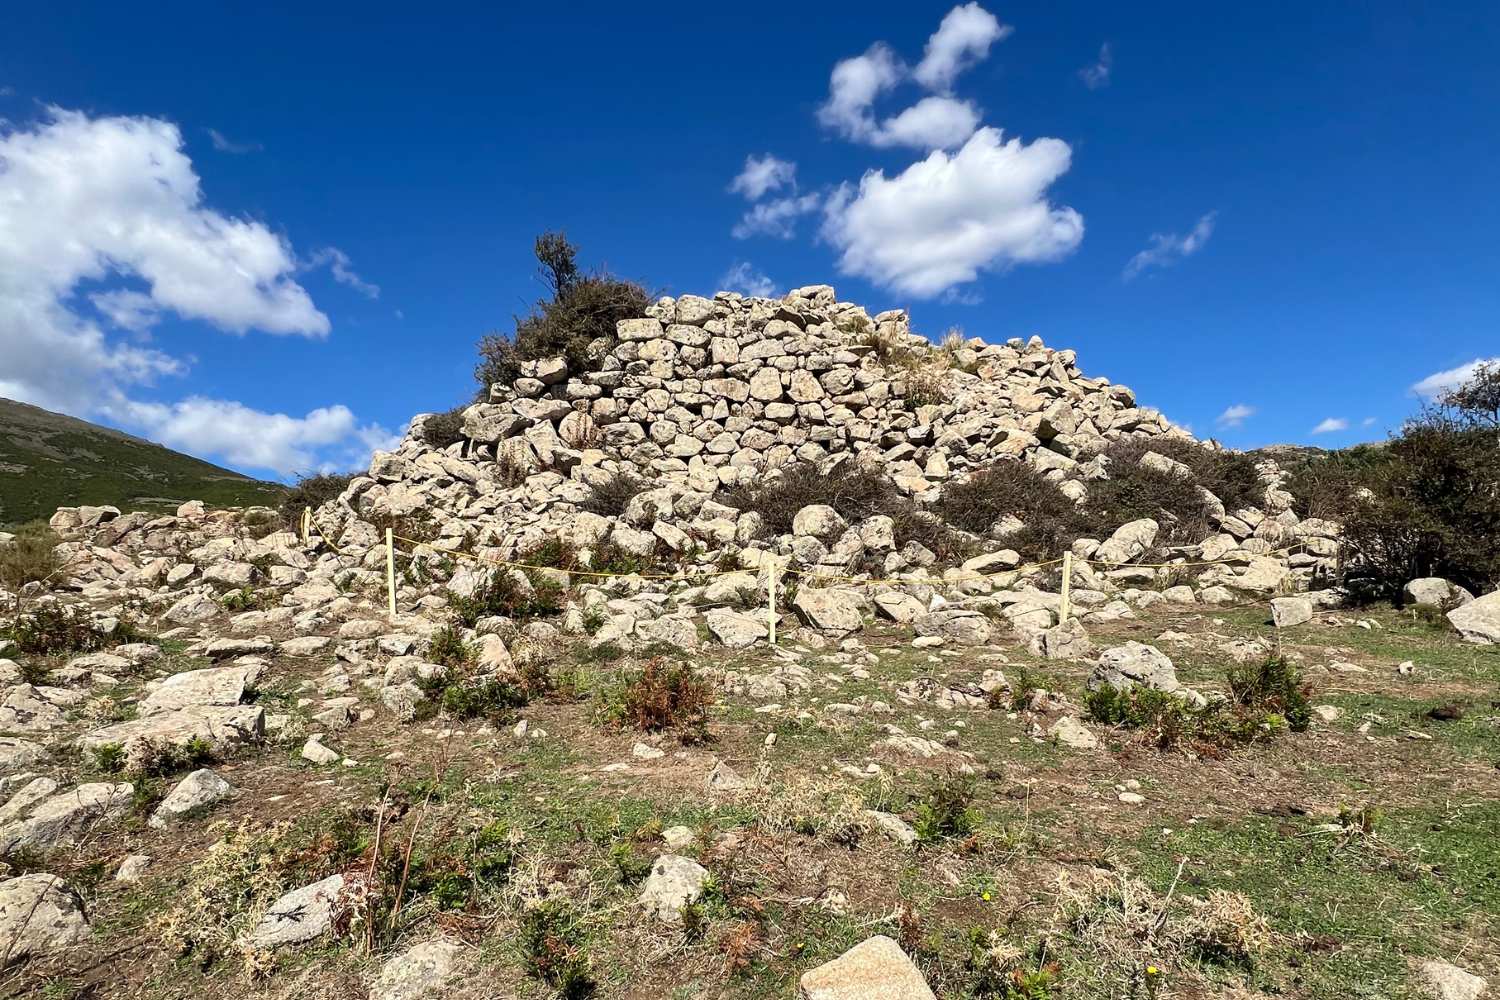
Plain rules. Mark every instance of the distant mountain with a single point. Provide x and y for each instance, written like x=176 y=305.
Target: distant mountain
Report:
x=48 y=460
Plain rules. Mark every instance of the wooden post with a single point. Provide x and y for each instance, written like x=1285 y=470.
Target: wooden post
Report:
x=1067 y=585
x=390 y=571
x=306 y=525
x=771 y=575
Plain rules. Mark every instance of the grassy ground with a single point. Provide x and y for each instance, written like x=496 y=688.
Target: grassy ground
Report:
x=1367 y=843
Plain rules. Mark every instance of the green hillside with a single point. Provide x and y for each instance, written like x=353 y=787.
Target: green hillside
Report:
x=48 y=460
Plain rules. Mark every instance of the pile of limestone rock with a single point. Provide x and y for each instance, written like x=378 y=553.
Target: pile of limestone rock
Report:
x=699 y=397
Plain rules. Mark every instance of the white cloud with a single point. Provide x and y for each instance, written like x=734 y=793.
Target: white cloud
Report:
x=1096 y=76
x=942 y=220
x=1367 y=422
x=762 y=175
x=1438 y=383
x=746 y=278
x=963 y=38
x=254 y=439
x=1331 y=425
x=1166 y=249
x=777 y=217
x=1235 y=416
x=100 y=201
x=934 y=122
x=226 y=145
x=343 y=272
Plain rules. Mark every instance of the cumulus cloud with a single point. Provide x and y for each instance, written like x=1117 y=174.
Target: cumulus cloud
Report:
x=226 y=145
x=762 y=175
x=1166 y=249
x=90 y=201
x=343 y=272
x=777 y=217
x=1438 y=383
x=963 y=38
x=939 y=121
x=942 y=220
x=745 y=278
x=1096 y=76
x=252 y=438
x=1235 y=416
x=1331 y=425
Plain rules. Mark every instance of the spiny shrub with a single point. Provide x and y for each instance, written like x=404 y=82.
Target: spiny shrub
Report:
x=1135 y=491
x=466 y=868
x=483 y=697
x=447 y=647
x=1229 y=475
x=440 y=430
x=52 y=629
x=662 y=695
x=1272 y=686
x=1014 y=489
x=29 y=557
x=577 y=319
x=552 y=942
x=531 y=595
x=311 y=491
x=610 y=498
x=946 y=810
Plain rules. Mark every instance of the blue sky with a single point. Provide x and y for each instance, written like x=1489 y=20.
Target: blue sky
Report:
x=270 y=236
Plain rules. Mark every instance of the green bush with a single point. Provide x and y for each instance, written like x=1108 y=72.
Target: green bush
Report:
x=610 y=498
x=30 y=557
x=440 y=430
x=1014 y=489
x=502 y=594
x=1272 y=686
x=314 y=492
x=551 y=940
x=661 y=696
x=55 y=629
x=579 y=317
x=946 y=810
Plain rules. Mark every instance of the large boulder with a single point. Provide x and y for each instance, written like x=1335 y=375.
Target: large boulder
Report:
x=220 y=725
x=50 y=818
x=1128 y=543
x=209 y=686
x=875 y=969
x=818 y=521
x=1479 y=620
x=830 y=610
x=961 y=626
x=194 y=793
x=1445 y=981
x=1132 y=664
x=419 y=971
x=1436 y=591
x=298 y=917
x=40 y=916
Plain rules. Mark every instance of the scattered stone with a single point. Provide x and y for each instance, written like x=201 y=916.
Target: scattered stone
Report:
x=132 y=867
x=298 y=917
x=64 y=817
x=1134 y=663
x=875 y=969
x=892 y=826
x=40 y=916
x=1449 y=982
x=673 y=884
x=314 y=750
x=193 y=794
x=419 y=971
x=1287 y=612
x=1071 y=733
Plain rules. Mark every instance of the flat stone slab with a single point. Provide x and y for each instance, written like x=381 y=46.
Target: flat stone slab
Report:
x=876 y=969
x=40 y=915
x=209 y=686
x=64 y=817
x=300 y=916
x=223 y=726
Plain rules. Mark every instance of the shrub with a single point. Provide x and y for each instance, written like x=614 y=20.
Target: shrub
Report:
x=661 y=696
x=1229 y=475
x=314 y=492
x=482 y=697
x=582 y=310
x=465 y=868
x=1014 y=489
x=448 y=648
x=610 y=498
x=50 y=629
x=30 y=557
x=552 y=942
x=440 y=430
x=946 y=810
x=510 y=594
x=1272 y=686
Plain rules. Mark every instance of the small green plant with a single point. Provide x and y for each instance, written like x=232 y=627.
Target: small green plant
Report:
x=109 y=758
x=509 y=594
x=486 y=697
x=946 y=810
x=629 y=864
x=244 y=599
x=551 y=941
x=448 y=648
x=440 y=430
x=1273 y=686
